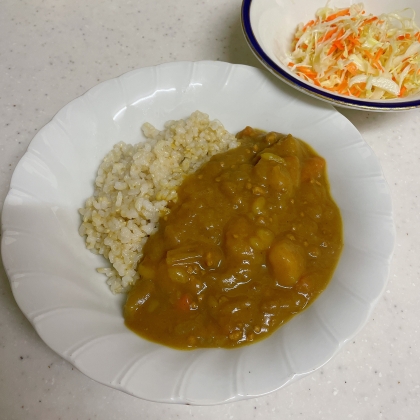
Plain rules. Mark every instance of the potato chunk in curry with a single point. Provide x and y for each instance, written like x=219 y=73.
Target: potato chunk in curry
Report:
x=253 y=238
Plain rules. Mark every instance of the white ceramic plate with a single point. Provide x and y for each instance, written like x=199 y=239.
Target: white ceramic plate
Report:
x=53 y=276
x=269 y=27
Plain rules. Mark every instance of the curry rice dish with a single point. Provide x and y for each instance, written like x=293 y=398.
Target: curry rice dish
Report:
x=252 y=237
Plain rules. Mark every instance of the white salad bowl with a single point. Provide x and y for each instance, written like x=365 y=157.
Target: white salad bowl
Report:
x=269 y=27
x=53 y=276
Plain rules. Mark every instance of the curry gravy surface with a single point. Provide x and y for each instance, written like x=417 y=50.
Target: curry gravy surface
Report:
x=253 y=238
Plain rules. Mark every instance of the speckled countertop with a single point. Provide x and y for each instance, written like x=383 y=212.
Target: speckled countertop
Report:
x=53 y=51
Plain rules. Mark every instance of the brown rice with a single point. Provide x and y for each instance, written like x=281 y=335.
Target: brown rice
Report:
x=134 y=185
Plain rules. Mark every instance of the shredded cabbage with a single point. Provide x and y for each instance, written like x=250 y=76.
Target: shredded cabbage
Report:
x=352 y=53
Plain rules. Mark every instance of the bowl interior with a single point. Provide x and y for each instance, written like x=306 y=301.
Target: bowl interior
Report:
x=274 y=22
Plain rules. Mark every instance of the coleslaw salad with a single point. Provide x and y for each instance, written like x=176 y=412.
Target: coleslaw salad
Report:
x=353 y=53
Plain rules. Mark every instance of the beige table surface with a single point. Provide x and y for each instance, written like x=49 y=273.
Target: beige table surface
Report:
x=53 y=51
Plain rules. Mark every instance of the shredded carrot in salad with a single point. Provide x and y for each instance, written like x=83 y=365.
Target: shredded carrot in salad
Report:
x=351 y=53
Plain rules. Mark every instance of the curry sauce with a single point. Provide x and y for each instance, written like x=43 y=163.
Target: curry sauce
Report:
x=253 y=238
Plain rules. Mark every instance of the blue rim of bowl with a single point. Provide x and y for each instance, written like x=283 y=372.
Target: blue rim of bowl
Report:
x=300 y=85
